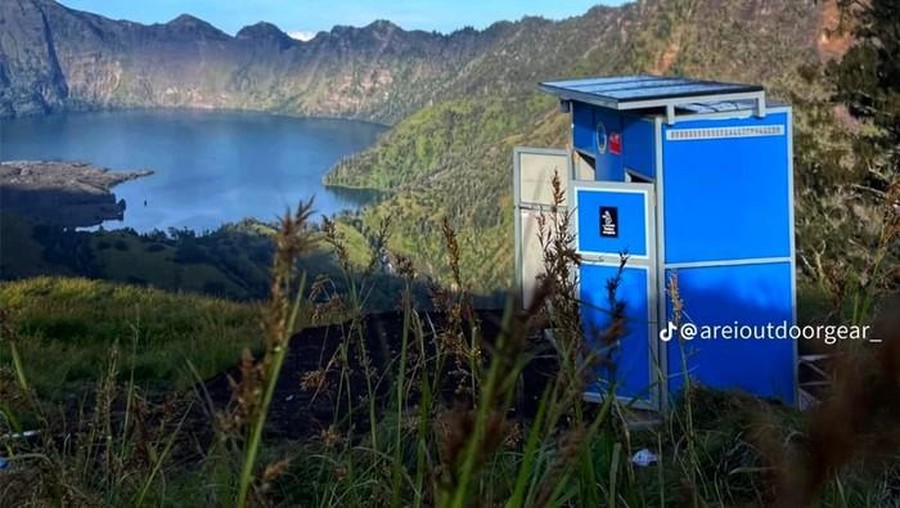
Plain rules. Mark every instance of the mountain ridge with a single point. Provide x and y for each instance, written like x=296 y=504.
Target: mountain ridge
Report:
x=53 y=58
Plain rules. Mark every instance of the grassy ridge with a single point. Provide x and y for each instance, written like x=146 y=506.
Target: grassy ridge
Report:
x=66 y=326
x=231 y=262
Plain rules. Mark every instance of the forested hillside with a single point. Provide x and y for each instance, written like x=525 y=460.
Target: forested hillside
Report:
x=455 y=159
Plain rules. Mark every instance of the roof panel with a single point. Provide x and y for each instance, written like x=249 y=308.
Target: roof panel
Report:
x=632 y=85
x=674 y=91
x=602 y=81
x=719 y=107
x=630 y=92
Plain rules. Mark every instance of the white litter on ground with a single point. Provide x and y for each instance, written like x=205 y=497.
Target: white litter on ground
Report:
x=20 y=435
x=644 y=458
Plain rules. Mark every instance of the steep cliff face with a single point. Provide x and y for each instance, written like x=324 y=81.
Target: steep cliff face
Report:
x=53 y=57
x=31 y=79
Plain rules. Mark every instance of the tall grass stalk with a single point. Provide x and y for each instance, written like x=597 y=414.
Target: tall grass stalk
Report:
x=278 y=356
x=7 y=335
x=281 y=323
x=158 y=464
x=614 y=474
x=488 y=399
x=356 y=333
x=423 y=428
x=530 y=452
x=693 y=468
x=398 y=467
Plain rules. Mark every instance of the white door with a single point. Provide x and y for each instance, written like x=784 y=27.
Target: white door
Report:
x=533 y=172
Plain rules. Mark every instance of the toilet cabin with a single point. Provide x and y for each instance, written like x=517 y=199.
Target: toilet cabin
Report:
x=692 y=181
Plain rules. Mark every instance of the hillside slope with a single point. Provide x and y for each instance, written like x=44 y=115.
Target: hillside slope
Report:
x=454 y=159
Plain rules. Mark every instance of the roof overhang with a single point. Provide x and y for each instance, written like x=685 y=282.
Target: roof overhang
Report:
x=634 y=93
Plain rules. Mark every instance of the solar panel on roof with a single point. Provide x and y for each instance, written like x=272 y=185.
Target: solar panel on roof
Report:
x=715 y=107
x=644 y=91
x=631 y=85
x=608 y=80
x=673 y=91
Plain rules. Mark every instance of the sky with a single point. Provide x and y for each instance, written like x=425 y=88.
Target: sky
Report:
x=303 y=18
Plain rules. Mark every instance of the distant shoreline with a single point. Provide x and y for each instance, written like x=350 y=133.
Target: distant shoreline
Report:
x=74 y=109
x=68 y=194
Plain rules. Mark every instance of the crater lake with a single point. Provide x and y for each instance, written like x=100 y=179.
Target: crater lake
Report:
x=210 y=167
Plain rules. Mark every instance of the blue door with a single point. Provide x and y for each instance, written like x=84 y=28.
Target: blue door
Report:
x=614 y=226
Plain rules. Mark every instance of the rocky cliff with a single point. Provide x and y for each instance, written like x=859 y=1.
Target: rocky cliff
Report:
x=53 y=57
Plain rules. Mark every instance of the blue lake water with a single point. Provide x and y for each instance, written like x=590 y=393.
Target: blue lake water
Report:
x=210 y=167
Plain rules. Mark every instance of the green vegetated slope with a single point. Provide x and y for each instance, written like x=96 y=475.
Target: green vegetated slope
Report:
x=429 y=144
x=65 y=328
x=470 y=187
x=455 y=159
x=231 y=262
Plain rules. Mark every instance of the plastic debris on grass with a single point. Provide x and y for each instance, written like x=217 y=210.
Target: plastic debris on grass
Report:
x=644 y=458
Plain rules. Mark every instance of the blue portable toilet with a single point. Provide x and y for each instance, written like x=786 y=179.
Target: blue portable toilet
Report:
x=693 y=180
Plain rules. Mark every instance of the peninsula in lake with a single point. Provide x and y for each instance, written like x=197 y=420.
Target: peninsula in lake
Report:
x=70 y=194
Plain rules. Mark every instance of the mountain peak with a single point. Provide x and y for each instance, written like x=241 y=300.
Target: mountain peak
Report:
x=382 y=25
x=379 y=26
x=264 y=31
x=187 y=22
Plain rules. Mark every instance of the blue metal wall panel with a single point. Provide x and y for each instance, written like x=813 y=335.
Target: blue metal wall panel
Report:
x=610 y=165
x=586 y=121
x=630 y=361
x=639 y=146
x=583 y=128
x=727 y=198
x=746 y=295
x=632 y=221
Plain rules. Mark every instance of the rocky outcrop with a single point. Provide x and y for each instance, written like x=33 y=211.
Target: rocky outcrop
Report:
x=70 y=194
